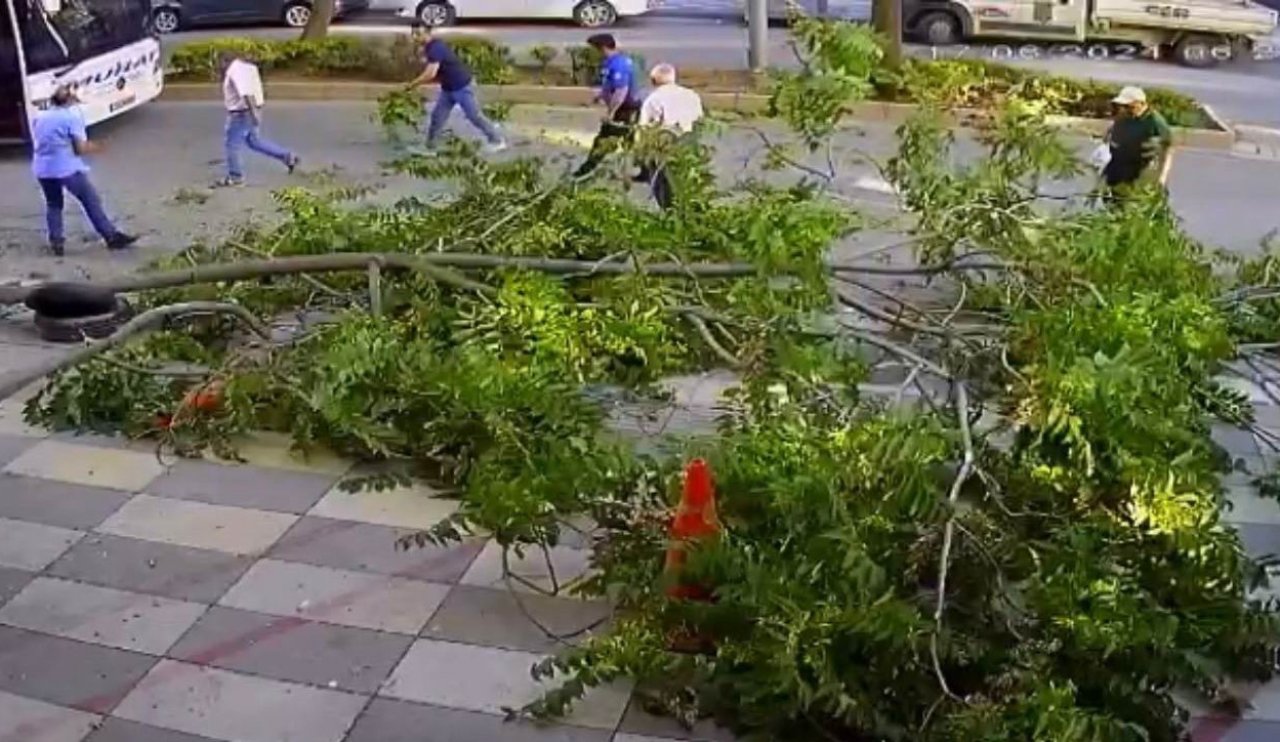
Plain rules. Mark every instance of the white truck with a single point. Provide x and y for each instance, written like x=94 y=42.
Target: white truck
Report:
x=1197 y=33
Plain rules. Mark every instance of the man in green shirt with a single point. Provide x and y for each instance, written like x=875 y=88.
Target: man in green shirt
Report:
x=1140 y=139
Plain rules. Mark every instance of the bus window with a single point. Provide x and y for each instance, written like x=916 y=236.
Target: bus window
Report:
x=79 y=30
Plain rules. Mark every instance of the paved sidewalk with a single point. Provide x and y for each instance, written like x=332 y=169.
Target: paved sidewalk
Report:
x=196 y=600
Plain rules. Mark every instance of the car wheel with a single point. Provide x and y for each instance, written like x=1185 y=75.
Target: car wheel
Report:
x=939 y=29
x=296 y=15
x=165 y=20
x=595 y=14
x=1201 y=51
x=436 y=14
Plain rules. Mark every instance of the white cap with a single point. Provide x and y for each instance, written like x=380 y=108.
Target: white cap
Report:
x=1130 y=94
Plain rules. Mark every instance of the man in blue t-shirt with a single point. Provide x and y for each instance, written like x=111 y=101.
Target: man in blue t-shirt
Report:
x=456 y=89
x=621 y=96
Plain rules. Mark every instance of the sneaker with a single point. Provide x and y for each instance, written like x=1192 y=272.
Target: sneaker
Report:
x=292 y=163
x=229 y=182
x=58 y=247
x=492 y=147
x=120 y=241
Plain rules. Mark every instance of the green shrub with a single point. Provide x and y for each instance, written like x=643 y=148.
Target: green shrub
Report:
x=489 y=61
x=973 y=83
x=371 y=59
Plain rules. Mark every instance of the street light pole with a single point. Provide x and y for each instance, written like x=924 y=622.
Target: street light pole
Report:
x=823 y=8
x=758 y=35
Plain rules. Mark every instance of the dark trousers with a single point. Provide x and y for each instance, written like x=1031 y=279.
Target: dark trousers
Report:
x=79 y=186
x=613 y=135
x=655 y=174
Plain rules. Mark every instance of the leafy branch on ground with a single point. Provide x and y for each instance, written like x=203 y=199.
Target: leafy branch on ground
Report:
x=1022 y=541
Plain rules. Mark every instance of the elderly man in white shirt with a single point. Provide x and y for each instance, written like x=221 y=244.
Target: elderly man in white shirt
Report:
x=243 y=97
x=673 y=108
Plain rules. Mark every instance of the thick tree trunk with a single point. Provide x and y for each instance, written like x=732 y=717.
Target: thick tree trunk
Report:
x=318 y=26
x=886 y=17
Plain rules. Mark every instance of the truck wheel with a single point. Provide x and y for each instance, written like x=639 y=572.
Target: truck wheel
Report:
x=939 y=29
x=1202 y=51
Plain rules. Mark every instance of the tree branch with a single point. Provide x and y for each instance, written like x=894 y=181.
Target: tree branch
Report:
x=143 y=322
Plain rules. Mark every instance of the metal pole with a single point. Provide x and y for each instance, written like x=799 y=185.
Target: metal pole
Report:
x=758 y=35
x=823 y=8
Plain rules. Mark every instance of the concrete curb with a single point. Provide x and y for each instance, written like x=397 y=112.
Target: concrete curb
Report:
x=738 y=102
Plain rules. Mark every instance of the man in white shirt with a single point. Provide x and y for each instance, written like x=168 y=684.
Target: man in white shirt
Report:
x=243 y=97
x=672 y=108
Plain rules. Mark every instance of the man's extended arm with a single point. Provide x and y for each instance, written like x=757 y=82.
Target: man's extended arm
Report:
x=428 y=74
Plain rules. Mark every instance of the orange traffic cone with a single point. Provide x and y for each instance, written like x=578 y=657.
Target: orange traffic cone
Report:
x=695 y=520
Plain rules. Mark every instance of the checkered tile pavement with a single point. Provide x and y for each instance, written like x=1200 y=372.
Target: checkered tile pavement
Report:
x=197 y=600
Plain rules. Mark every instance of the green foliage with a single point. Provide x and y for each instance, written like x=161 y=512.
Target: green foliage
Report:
x=340 y=56
x=885 y=571
x=976 y=83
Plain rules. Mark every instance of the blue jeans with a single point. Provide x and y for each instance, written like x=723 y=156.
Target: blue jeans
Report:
x=466 y=100
x=242 y=131
x=80 y=187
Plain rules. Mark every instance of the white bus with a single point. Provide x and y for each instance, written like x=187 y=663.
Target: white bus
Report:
x=105 y=48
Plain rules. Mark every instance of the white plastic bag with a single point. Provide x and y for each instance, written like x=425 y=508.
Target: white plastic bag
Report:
x=1100 y=156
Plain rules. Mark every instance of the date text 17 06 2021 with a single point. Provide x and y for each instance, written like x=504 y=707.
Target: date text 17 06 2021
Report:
x=1098 y=52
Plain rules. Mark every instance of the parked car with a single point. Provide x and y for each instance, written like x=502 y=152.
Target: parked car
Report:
x=168 y=16
x=586 y=13
x=845 y=10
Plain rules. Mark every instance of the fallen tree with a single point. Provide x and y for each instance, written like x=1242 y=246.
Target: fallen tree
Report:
x=1023 y=542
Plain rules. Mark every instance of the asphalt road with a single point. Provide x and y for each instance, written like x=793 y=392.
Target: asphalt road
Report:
x=709 y=33
x=1226 y=201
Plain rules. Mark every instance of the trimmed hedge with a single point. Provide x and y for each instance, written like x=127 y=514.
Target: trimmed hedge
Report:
x=954 y=83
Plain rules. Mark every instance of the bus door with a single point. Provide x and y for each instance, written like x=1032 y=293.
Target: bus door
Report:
x=13 y=105
x=1063 y=20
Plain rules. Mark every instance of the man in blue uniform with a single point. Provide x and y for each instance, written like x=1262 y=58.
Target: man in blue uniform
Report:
x=621 y=97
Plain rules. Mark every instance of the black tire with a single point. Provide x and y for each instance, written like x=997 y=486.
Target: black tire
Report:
x=296 y=15
x=166 y=20
x=66 y=300
x=1202 y=52
x=939 y=28
x=76 y=330
x=436 y=14
x=595 y=14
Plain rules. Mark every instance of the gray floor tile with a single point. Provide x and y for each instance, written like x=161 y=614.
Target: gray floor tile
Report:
x=13 y=445
x=121 y=730
x=101 y=615
x=57 y=503
x=366 y=547
x=66 y=672
x=151 y=567
x=489 y=617
x=230 y=706
x=242 y=486
x=290 y=648
x=401 y=721
x=12 y=581
x=338 y=596
x=639 y=722
x=33 y=546
x=490 y=680
x=25 y=719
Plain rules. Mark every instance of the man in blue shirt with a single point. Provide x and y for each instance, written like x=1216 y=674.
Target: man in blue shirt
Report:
x=456 y=89
x=58 y=140
x=621 y=96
